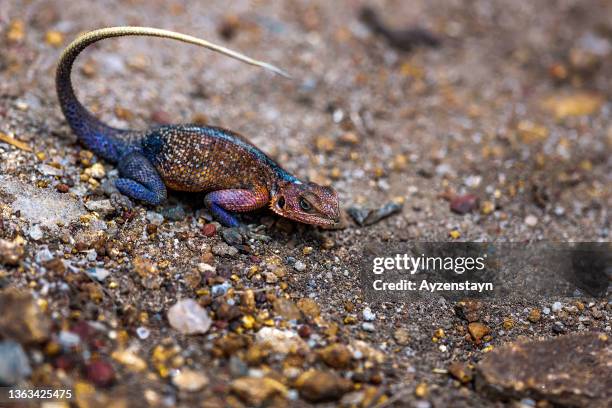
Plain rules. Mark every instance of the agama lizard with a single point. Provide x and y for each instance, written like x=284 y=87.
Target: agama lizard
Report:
x=236 y=175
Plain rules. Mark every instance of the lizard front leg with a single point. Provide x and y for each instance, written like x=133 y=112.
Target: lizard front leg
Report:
x=221 y=202
x=140 y=180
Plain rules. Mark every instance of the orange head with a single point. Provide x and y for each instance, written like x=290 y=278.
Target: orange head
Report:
x=309 y=203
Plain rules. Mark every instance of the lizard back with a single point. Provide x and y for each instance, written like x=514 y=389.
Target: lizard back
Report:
x=201 y=158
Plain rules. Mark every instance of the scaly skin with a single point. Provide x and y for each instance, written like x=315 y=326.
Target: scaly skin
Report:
x=236 y=175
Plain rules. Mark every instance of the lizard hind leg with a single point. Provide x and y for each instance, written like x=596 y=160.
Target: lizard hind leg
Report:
x=139 y=179
x=222 y=202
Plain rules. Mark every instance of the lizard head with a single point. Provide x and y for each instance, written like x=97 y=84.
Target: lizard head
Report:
x=309 y=203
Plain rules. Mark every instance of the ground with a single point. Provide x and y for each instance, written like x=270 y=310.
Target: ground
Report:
x=507 y=121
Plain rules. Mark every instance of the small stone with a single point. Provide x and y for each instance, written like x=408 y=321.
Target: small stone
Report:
x=464 y=204
x=21 y=319
x=401 y=336
x=193 y=279
x=460 y=371
x=143 y=333
x=487 y=207
x=299 y=266
x=68 y=339
x=325 y=144
x=534 y=315
x=557 y=307
x=35 y=232
x=129 y=359
x=232 y=236
x=154 y=218
x=558 y=327
x=336 y=355
x=221 y=289
x=322 y=386
x=100 y=372
x=14 y=364
x=421 y=390
x=188 y=317
x=257 y=391
x=454 y=234
x=62 y=187
x=102 y=207
x=223 y=249
x=287 y=309
x=190 y=380
x=309 y=308
x=368 y=316
x=369 y=327
x=468 y=310
x=97 y=171
x=161 y=117
x=531 y=220
x=99 y=274
x=281 y=341
x=569 y=370
x=209 y=230
x=365 y=216
x=54 y=38
x=175 y=213
x=576 y=104
x=11 y=252
x=478 y=330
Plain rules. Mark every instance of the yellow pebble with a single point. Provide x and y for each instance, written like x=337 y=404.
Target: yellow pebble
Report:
x=454 y=234
x=54 y=38
x=421 y=390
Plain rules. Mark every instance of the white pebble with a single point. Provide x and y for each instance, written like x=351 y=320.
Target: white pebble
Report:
x=368 y=316
x=188 y=317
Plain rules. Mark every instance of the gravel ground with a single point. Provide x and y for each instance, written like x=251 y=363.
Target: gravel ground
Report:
x=501 y=133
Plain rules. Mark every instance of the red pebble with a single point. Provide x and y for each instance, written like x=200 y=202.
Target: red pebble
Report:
x=464 y=204
x=304 y=331
x=100 y=372
x=209 y=230
x=64 y=362
x=161 y=117
x=84 y=331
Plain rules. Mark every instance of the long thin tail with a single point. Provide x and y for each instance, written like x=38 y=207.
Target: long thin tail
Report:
x=97 y=136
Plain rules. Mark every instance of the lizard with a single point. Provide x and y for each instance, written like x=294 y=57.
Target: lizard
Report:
x=233 y=173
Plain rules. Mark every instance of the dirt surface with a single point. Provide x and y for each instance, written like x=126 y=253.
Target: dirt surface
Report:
x=507 y=121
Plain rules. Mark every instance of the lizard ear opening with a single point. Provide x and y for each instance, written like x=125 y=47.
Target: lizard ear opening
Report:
x=280 y=203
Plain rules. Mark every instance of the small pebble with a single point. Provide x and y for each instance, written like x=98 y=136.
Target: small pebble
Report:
x=35 y=232
x=188 y=317
x=176 y=213
x=101 y=373
x=155 y=218
x=232 y=236
x=464 y=204
x=556 y=307
x=367 y=326
x=14 y=364
x=368 y=316
x=299 y=266
x=99 y=274
x=142 y=333
x=190 y=380
x=531 y=220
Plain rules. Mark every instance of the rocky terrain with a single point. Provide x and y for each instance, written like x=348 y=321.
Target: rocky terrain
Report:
x=485 y=121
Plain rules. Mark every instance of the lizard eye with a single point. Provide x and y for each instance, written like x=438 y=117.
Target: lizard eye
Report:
x=280 y=202
x=305 y=205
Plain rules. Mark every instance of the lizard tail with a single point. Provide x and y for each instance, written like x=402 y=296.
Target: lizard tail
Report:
x=97 y=136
